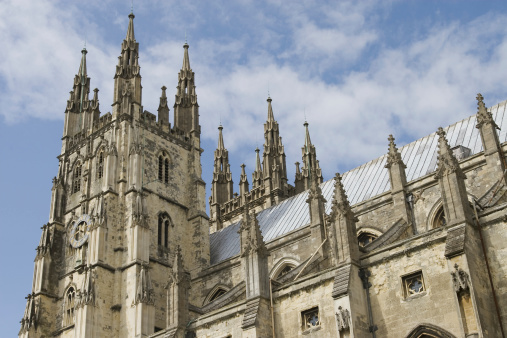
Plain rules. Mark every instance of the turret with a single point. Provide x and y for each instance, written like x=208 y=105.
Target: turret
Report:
x=127 y=78
x=274 y=166
x=222 y=184
x=186 y=109
x=78 y=103
x=163 y=109
x=310 y=162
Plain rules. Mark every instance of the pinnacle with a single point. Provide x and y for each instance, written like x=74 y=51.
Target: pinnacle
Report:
x=340 y=197
x=257 y=160
x=271 y=117
x=130 y=30
x=220 y=138
x=186 y=59
x=308 y=142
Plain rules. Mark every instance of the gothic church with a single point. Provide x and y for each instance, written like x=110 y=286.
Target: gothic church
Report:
x=411 y=244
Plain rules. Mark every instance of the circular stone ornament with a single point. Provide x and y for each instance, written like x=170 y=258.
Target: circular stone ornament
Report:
x=80 y=231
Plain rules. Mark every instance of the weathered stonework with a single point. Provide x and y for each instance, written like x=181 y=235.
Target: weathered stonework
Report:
x=129 y=250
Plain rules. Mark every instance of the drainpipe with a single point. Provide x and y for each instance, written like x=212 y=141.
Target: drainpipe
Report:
x=364 y=274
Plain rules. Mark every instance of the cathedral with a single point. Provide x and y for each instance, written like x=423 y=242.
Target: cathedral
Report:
x=411 y=244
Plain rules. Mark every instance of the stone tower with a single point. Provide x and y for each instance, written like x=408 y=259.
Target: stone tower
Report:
x=128 y=194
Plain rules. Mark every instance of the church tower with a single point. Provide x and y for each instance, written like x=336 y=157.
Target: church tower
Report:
x=127 y=196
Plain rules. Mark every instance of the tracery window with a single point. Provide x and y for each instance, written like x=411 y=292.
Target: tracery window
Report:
x=310 y=318
x=413 y=284
x=366 y=238
x=76 y=178
x=218 y=293
x=100 y=165
x=68 y=315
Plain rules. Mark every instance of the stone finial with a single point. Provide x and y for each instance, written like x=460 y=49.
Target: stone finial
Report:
x=250 y=233
x=447 y=162
x=484 y=117
x=257 y=160
x=130 y=30
x=315 y=191
x=393 y=155
x=144 y=292
x=186 y=59
x=163 y=99
x=243 y=178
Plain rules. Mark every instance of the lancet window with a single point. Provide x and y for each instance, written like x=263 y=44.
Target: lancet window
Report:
x=218 y=293
x=440 y=219
x=163 y=169
x=100 y=164
x=164 y=225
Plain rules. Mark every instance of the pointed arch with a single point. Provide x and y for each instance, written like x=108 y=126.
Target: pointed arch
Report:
x=165 y=224
x=163 y=166
x=283 y=266
x=429 y=331
x=100 y=160
x=366 y=235
x=217 y=291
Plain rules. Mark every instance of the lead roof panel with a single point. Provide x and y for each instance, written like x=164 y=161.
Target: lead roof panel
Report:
x=361 y=183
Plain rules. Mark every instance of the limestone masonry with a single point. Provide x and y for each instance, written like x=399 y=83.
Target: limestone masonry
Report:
x=411 y=244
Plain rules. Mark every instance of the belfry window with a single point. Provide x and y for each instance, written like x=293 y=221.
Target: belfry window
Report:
x=160 y=168
x=76 y=178
x=68 y=315
x=164 y=225
x=100 y=165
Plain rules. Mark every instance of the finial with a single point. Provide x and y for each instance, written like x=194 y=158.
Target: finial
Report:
x=132 y=7
x=441 y=132
x=185 y=35
x=304 y=112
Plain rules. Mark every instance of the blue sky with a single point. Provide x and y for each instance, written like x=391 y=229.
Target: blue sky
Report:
x=358 y=71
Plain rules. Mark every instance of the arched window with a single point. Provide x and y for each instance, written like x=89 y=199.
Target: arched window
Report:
x=100 y=165
x=285 y=270
x=439 y=220
x=218 y=293
x=164 y=225
x=76 y=178
x=68 y=315
x=366 y=238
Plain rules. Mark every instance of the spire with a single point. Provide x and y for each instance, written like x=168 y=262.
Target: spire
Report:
x=271 y=117
x=220 y=138
x=130 y=30
x=186 y=59
x=82 y=67
x=310 y=164
x=447 y=162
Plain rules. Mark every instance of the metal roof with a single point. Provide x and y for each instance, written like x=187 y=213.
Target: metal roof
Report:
x=361 y=183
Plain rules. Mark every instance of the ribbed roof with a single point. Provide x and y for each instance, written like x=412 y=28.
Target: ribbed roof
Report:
x=361 y=183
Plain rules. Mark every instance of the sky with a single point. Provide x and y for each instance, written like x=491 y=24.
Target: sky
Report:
x=357 y=71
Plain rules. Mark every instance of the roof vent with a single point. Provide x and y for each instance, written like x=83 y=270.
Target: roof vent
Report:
x=461 y=152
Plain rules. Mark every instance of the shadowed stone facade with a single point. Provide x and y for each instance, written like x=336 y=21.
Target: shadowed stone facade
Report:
x=412 y=244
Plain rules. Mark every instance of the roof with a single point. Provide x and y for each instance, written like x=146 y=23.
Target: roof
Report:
x=361 y=183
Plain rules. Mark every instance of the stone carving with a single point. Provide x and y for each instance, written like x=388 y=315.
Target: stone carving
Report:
x=343 y=319
x=139 y=212
x=483 y=115
x=46 y=241
x=460 y=279
x=144 y=293
x=31 y=315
